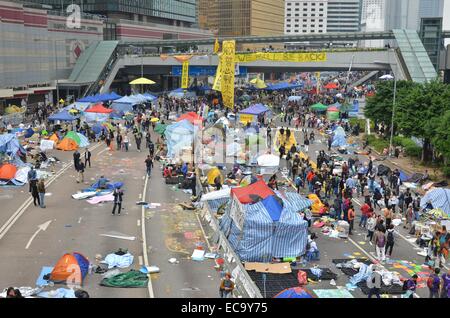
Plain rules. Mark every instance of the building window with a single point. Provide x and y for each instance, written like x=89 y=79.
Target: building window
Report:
x=305 y=9
x=296 y=25
x=288 y=14
x=320 y=9
x=305 y=15
x=289 y=9
x=320 y=15
x=288 y=25
x=320 y=31
x=320 y=25
x=305 y=20
x=304 y=31
x=288 y=31
x=313 y=10
x=312 y=31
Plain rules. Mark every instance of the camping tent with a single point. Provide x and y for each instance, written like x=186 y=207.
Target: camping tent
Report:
x=440 y=198
x=80 y=106
x=294 y=292
x=71 y=268
x=192 y=117
x=339 y=137
x=99 y=109
x=245 y=195
x=317 y=205
x=10 y=145
x=62 y=116
x=252 y=233
x=181 y=93
x=54 y=138
x=332 y=114
x=97 y=113
x=331 y=86
x=160 y=128
x=178 y=136
x=67 y=144
x=212 y=174
x=7 y=171
x=256 y=109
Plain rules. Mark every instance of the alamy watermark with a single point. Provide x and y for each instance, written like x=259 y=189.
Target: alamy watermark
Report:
x=73 y=20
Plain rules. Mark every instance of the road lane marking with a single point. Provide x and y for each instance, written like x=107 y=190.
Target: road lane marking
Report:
x=79 y=220
x=41 y=227
x=144 y=240
x=141 y=261
x=138 y=222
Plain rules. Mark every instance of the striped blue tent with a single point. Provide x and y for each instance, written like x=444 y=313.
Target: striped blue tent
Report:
x=215 y=204
x=440 y=198
x=265 y=234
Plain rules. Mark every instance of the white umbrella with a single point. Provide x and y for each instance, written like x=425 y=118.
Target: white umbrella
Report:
x=339 y=95
x=294 y=98
x=386 y=77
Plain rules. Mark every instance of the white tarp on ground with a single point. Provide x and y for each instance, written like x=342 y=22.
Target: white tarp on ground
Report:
x=22 y=174
x=224 y=193
x=46 y=145
x=268 y=160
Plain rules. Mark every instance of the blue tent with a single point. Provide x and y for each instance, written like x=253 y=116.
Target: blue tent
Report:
x=62 y=116
x=179 y=135
x=266 y=234
x=10 y=145
x=440 y=199
x=256 y=109
x=150 y=96
x=339 y=137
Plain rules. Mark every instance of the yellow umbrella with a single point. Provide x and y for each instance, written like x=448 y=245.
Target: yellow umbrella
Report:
x=259 y=83
x=154 y=120
x=142 y=81
x=61 y=101
x=254 y=81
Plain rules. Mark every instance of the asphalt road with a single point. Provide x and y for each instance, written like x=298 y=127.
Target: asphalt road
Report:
x=76 y=227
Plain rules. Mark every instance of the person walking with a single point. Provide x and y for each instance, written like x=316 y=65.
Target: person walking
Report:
x=119 y=140
x=126 y=142
x=149 y=165
x=35 y=192
x=371 y=222
x=410 y=286
x=118 y=198
x=434 y=283
x=41 y=192
x=87 y=157
x=380 y=244
x=365 y=211
x=226 y=286
x=390 y=238
x=76 y=159
x=80 y=177
x=374 y=283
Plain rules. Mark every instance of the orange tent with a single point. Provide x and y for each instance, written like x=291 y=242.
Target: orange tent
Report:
x=67 y=144
x=7 y=171
x=54 y=138
x=71 y=268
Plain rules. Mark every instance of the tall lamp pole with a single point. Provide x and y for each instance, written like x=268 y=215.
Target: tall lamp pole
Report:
x=393 y=113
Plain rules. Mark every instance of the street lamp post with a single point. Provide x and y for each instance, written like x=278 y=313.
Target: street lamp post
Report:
x=393 y=114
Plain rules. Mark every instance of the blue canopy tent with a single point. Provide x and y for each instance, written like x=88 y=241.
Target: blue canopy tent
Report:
x=181 y=93
x=179 y=135
x=282 y=86
x=256 y=109
x=88 y=99
x=124 y=104
x=271 y=228
x=150 y=97
x=100 y=98
x=62 y=116
x=80 y=106
x=439 y=198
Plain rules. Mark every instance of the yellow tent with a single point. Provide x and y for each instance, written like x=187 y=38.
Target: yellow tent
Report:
x=212 y=174
x=317 y=204
x=142 y=81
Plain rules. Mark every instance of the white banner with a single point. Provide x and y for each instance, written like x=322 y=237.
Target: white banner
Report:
x=47 y=145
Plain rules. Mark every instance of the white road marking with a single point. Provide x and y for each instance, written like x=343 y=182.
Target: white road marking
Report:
x=138 y=222
x=41 y=227
x=144 y=239
x=79 y=220
x=141 y=261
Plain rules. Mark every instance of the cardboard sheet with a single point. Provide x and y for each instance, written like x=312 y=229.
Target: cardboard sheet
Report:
x=278 y=268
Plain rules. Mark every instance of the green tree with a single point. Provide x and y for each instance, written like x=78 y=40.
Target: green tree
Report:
x=441 y=138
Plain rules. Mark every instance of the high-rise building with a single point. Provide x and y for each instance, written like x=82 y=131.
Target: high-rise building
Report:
x=232 y=18
x=169 y=12
x=402 y=14
x=372 y=20
x=305 y=16
x=344 y=16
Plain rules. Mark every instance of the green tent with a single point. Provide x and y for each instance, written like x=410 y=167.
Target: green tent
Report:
x=74 y=136
x=333 y=115
x=160 y=128
x=319 y=107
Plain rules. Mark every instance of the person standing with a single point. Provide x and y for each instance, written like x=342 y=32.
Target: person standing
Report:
x=434 y=283
x=87 y=157
x=226 y=286
x=193 y=180
x=35 y=192
x=118 y=198
x=445 y=290
x=351 y=218
x=32 y=177
x=380 y=244
x=371 y=222
x=76 y=159
x=41 y=192
x=119 y=140
x=306 y=144
x=149 y=165
x=374 y=283
x=390 y=238
x=138 y=139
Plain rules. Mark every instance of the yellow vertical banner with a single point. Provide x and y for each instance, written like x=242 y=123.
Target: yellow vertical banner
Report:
x=218 y=79
x=216 y=46
x=318 y=82
x=185 y=75
x=227 y=71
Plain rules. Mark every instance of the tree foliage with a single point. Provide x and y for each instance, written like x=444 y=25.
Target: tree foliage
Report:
x=421 y=110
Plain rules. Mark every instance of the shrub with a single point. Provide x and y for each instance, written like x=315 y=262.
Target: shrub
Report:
x=413 y=150
x=377 y=143
x=446 y=171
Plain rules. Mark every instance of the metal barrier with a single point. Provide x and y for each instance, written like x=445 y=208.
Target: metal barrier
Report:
x=245 y=287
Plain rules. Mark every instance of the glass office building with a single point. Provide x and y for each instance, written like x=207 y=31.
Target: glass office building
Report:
x=171 y=12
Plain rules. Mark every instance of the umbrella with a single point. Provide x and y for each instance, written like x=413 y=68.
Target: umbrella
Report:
x=142 y=81
x=294 y=98
x=386 y=77
x=154 y=120
x=319 y=107
x=339 y=95
x=294 y=292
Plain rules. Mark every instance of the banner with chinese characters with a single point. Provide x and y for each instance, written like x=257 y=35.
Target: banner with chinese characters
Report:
x=282 y=57
x=227 y=71
x=218 y=79
x=185 y=75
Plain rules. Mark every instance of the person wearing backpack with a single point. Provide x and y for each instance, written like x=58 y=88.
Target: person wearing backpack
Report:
x=389 y=241
x=380 y=243
x=410 y=287
x=434 y=283
x=445 y=290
